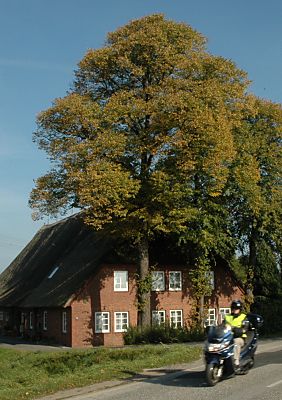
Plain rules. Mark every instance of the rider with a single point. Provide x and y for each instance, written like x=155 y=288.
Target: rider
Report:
x=235 y=320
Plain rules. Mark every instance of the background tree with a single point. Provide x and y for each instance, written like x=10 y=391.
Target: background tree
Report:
x=255 y=196
x=143 y=136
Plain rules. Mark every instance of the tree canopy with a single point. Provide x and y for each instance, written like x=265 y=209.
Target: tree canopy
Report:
x=153 y=133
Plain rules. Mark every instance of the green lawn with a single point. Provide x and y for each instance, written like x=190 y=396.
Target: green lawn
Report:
x=28 y=375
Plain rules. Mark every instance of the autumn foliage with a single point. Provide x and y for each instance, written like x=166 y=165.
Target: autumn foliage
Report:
x=159 y=136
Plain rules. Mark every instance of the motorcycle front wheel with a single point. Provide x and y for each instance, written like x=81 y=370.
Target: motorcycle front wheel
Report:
x=213 y=374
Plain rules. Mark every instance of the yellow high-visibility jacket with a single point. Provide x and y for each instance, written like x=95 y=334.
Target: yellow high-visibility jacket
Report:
x=236 y=321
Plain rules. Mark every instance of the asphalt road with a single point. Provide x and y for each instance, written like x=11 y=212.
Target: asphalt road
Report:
x=264 y=382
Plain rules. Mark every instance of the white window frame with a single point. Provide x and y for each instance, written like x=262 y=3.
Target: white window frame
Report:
x=102 y=322
x=222 y=312
x=121 y=281
x=31 y=320
x=176 y=318
x=45 y=320
x=172 y=286
x=211 y=317
x=158 y=317
x=64 y=322
x=158 y=281
x=121 y=321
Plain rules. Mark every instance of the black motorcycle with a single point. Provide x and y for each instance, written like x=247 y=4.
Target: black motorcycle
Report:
x=219 y=350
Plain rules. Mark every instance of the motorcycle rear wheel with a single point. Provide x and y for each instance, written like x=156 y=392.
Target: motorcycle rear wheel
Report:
x=245 y=370
x=212 y=374
x=251 y=363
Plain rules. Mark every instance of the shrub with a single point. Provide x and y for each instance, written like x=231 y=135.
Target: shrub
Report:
x=162 y=334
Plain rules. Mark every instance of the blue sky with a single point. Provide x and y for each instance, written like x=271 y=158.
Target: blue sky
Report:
x=41 y=44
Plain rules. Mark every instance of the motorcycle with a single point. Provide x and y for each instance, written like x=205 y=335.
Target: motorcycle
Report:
x=219 y=350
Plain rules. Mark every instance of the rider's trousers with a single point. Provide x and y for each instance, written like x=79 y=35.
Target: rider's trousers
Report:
x=239 y=343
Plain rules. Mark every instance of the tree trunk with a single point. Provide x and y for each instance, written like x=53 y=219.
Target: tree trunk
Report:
x=201 y=311
x=144 y=292
x=251 y=268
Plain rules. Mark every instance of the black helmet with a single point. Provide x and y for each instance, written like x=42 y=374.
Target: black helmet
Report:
x=236 y=305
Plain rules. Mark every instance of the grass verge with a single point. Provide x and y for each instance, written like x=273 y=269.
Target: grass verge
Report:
x=29 y=375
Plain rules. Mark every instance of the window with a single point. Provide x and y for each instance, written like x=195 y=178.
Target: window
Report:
x=158 y=317
x=222 y=312
x=52 y=273
x=1 y=315
x=121 y=321
x=175 y=280
x=45 y=320
x=210 y=277
x=102 y=322
x=31 y=320
x=121 y=281
x=176 y=318
x=158 y=280
x=211 y=319
x=64 y=322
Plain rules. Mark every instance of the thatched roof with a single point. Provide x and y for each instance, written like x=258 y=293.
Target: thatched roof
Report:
x=76 y=249
x=60 y=259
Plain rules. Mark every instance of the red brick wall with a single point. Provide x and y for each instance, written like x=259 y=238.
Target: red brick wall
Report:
x=225 y=289
x=104 y=298
x=173 y=300
x=54 y=332
x=82 y=333
x=99 y=295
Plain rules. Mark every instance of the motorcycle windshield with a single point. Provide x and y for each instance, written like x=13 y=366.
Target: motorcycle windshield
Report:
x=218 y=333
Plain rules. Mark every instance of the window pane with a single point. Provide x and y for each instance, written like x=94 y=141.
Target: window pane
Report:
x=98 y=322
x=102 y=323
x=158 y=282
x=120 y=280
x=158 y=317
x=64 y=322
x=211 y=319
x=210 y=278
x=52 y=273
x=121 y=321
x=175 y=280
x=45 y=320
x=176 y=318
x=31 y=320
x=222 y=312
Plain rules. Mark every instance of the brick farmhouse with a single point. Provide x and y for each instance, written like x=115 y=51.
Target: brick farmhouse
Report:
x=68 y=286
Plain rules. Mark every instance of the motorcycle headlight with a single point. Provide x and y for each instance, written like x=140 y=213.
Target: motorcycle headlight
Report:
x=215 y=347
